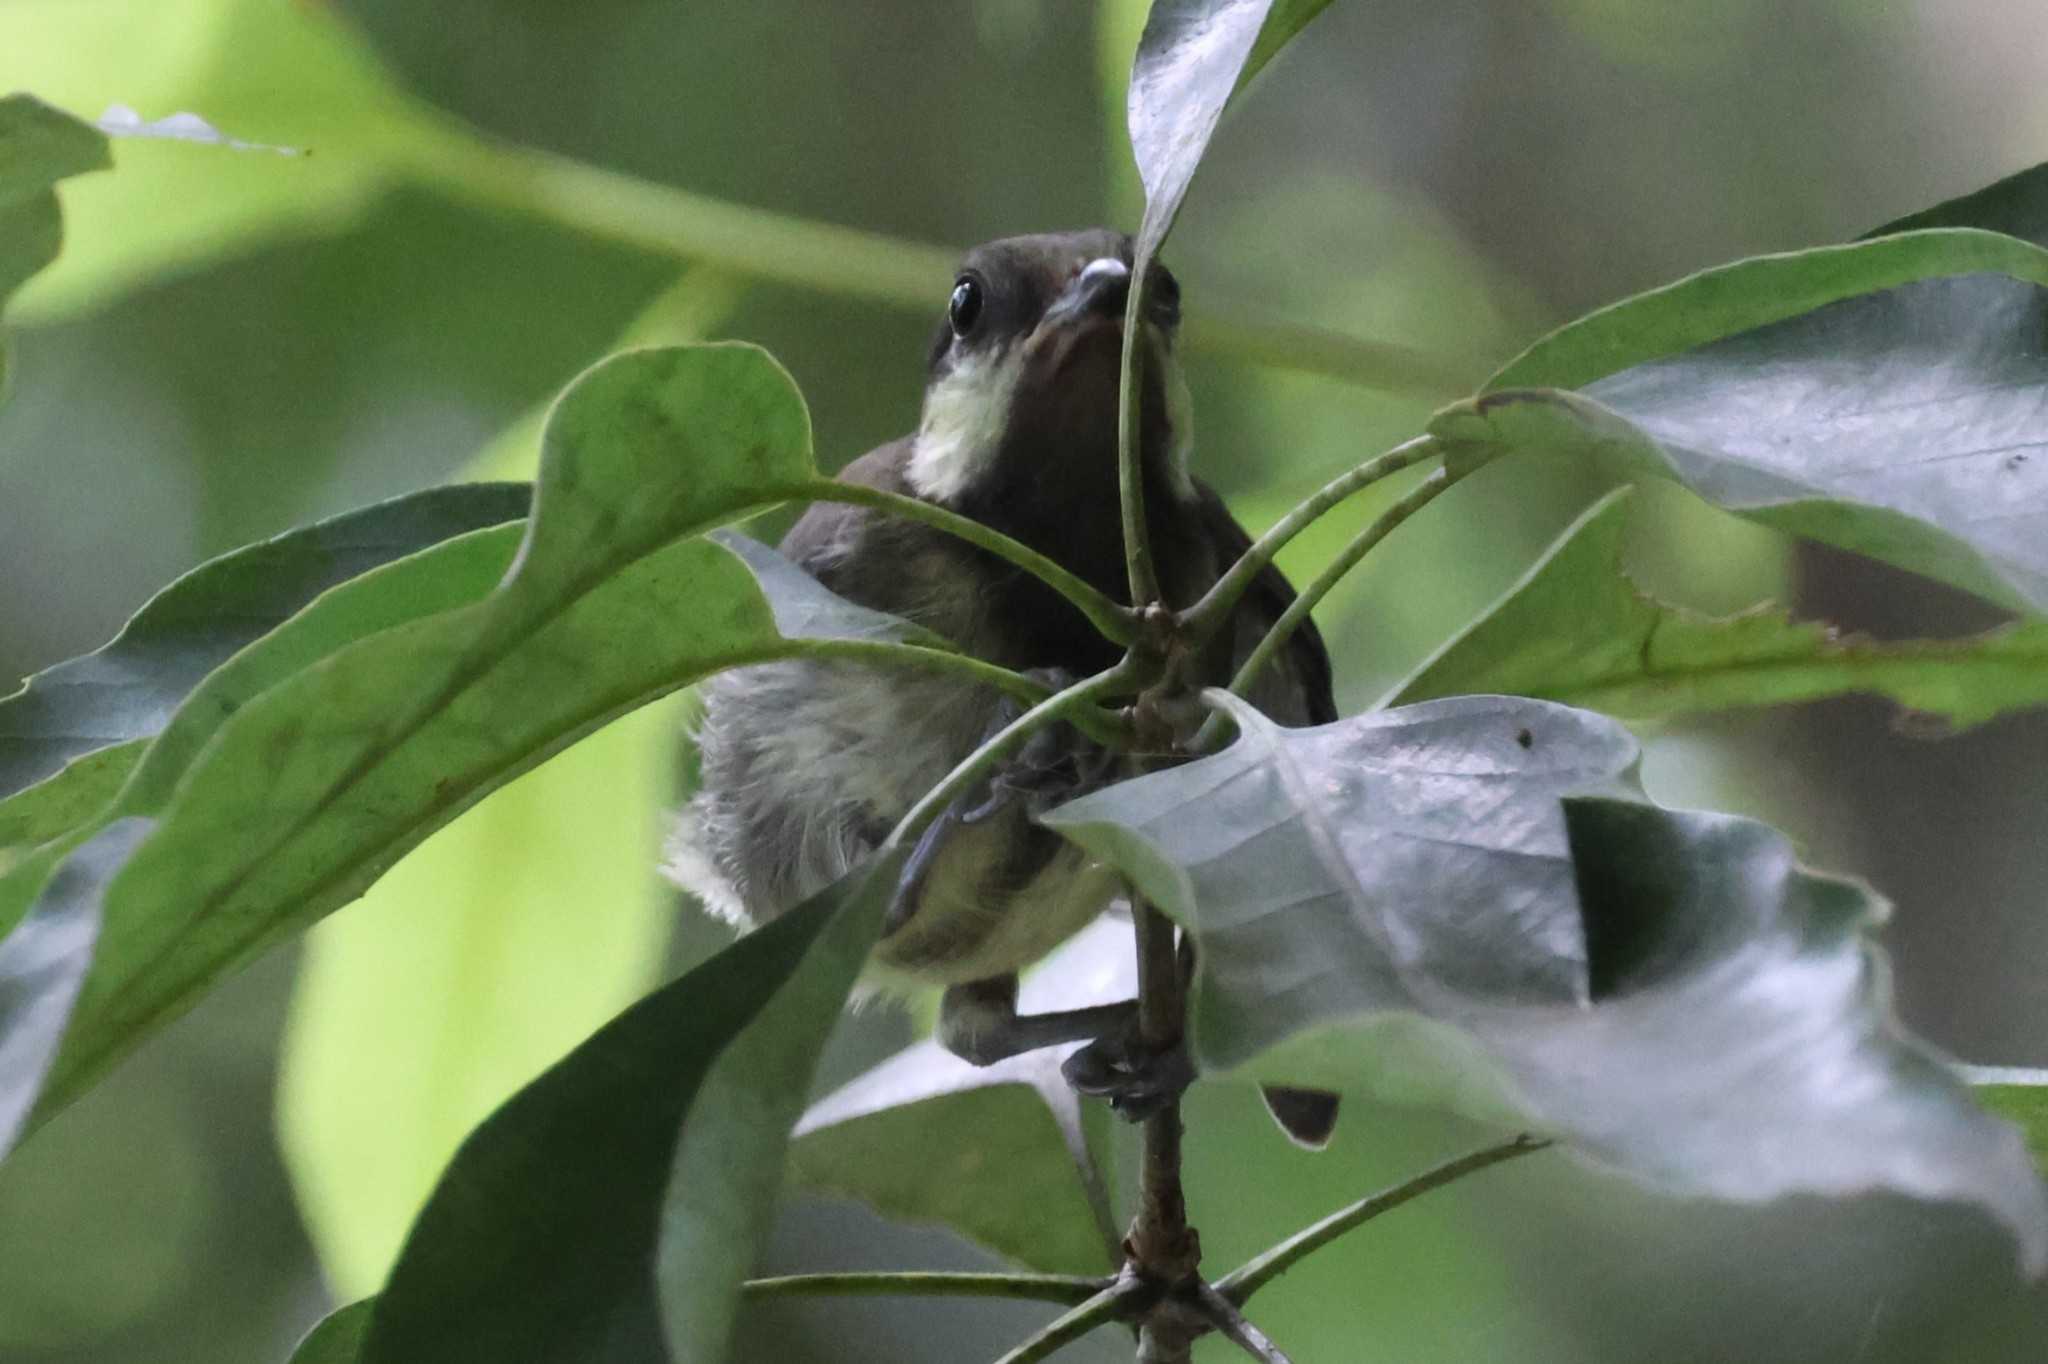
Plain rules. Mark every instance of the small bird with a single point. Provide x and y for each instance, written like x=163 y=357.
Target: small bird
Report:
x=808 y=765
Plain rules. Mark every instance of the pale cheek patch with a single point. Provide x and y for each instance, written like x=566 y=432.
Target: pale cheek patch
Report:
x=962 y=427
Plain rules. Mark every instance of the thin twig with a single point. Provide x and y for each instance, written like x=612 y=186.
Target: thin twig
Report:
x=1221 y=1313
x=1105 y=1307
x=1238 y=1286
x=1069 y=1290
x=1162 y=1247
x=1130 y=473
x=1116 y=622
x=1061 y=705
x=1207 y=616
x=843 y=261
x=1414 y=500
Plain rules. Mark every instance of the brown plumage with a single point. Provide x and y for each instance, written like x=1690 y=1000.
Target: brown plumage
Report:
x=807 y=765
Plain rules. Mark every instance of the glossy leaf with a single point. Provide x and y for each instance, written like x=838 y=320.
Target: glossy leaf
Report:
x=63 y=801
x=39 y=146
x=1193 y=57
x=1904 y=424
x=313 y=789
x=1575 y=629
x=128 y=688
x=1743 y=296
x=489 y=951
x=338 y=1339
x=1467 y=903
x=612 y=1208
x=43 y=964
x=1005 y=1155
x=478 y=961
x=2016 y=206
x=144 y=778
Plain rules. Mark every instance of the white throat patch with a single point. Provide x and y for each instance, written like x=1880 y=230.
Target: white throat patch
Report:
x=962 y=426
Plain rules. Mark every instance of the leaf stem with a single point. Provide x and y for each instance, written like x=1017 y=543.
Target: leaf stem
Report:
x=1130 y=473
x=1207 y=616
x=808 y=254
x=1070 y=1290
x=1222 y=1314
x=1100 y=1310
x=1238 y=1286
x=1116 y=622
x=1062 y=705
x=1414 y=500
x=1099 y=725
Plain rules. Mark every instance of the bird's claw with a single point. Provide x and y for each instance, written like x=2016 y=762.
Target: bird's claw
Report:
x=1137 y=1080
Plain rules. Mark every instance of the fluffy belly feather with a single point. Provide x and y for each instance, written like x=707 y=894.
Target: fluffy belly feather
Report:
x=806 y=768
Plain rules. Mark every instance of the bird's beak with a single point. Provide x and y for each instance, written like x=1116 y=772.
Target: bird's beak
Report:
x=1101 y=290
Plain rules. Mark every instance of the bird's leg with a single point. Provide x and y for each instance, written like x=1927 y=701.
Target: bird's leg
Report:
x=979 y=1022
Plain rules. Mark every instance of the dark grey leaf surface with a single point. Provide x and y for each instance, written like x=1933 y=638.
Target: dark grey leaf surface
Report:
x=805 y=608
x=917 y=1136
x=1909 y=424
x=2016 y=206
x=43 y=964
x=1193 y=57
x=1468 y=903
x=128 y=688
x=610 y=1210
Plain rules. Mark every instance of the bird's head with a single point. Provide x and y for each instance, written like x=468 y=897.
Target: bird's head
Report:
x=1022 y=382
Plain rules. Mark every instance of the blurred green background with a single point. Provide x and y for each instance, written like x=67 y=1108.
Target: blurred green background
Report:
x=237 y=342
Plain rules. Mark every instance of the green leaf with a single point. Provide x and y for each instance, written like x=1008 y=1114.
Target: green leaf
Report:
x=2016 y=206
x=488 y=952
x=1193 y=57
x=1575 y=629
x=62 y=802
x=1006 y=1155
x=43 y=964
x=128 y=688
x=612 y=1208
x=2018 y=1095
x=1467 y=903
x=1903 y=424
x=481 y=959
x=145 y=774
x=292 y=75
x=1741 y=297
x=38 y=147
x=317 y=786
x=338 y=1339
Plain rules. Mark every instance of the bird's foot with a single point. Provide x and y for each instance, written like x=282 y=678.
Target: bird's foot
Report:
x=1138 y=1080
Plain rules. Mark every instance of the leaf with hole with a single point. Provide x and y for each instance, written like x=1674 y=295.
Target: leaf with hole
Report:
x=612 y=1208
x=1468 y=903
x=1575 y=629
x=918 y=1136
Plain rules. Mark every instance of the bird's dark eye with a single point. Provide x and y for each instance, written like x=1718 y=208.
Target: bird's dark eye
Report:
x=965 y=308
